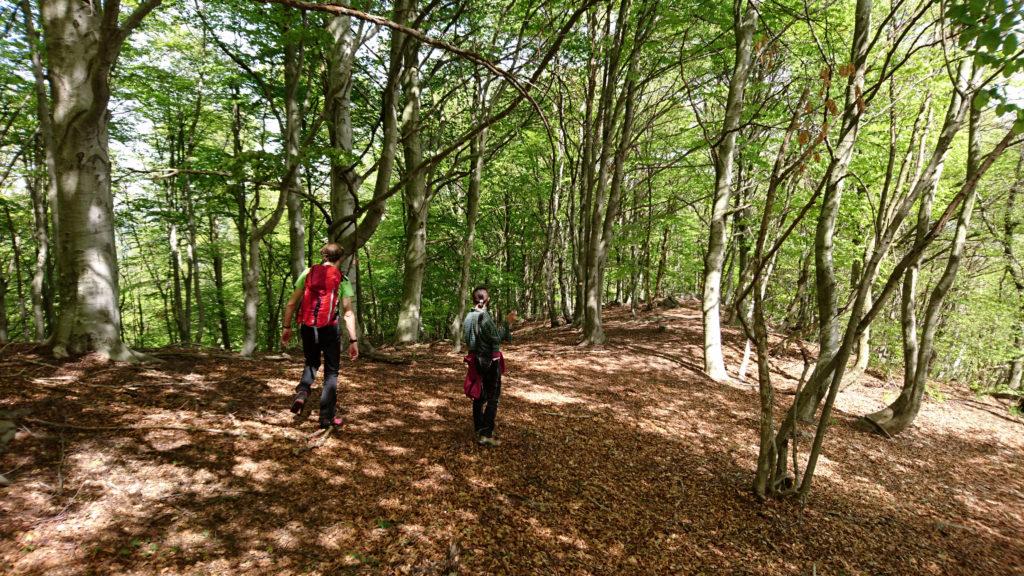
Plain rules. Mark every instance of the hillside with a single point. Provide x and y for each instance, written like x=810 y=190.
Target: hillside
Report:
x=619 y=460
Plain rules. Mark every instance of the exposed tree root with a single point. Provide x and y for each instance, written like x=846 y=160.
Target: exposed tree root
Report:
x=81 y=428
x=384 y=358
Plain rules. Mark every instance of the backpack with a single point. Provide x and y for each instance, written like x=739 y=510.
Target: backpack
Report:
x=319 y=306
x=484 y=353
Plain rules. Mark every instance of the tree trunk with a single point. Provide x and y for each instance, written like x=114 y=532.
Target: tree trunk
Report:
x=14 y=271
x=250 y=245
x=607 y=197
x=724 y=154
x=82 y=46
x=553 y=231
x=180 y=319
x=476 y=162
x=824 y=270
x=417 y=202
x=41 y=200
x=899 y=415
x=293 y=126
x=218 y=284
x=345 y=181
x=193 y=268
x=5 y=335
x=1015 y=270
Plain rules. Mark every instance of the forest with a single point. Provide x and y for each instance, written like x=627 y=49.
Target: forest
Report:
x=761 y=264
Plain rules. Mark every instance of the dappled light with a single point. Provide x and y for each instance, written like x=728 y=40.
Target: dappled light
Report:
x=536 y=287
x=606 y=468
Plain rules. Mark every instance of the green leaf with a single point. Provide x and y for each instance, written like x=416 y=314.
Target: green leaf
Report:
x=981 y=99
x=966 y=36
x=989 y=39
x=1018 y=126
x=1010 y=44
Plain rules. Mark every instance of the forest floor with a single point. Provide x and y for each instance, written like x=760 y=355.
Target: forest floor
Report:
x=618 y=460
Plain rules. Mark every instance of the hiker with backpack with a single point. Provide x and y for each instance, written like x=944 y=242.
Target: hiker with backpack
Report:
x=485 y=366
x=317 y=288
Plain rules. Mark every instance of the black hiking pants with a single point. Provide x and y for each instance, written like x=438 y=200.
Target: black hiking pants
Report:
x=485 y=409
x=316 y=342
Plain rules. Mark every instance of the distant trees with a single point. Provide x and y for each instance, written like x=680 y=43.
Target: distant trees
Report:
x=798 y=165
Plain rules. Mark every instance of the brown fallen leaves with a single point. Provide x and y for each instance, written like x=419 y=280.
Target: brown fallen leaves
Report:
x=618 y=460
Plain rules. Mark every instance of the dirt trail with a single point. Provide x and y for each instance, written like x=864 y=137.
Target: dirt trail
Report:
x=620 y=460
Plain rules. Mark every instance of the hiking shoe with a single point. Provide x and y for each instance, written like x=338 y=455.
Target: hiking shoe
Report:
x=336 y=423
x=489 y=441
x=300 y=401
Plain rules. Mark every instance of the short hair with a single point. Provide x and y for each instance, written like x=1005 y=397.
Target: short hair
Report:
x=477 y=298
x=331 y=252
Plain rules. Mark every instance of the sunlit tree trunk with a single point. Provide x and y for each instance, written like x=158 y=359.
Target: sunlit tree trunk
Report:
x=824 y=237
x=83 y=41
x=345 y=181
x=899 y=415
x=724 y=154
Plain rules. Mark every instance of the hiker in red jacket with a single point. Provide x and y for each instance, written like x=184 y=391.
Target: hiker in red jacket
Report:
x=317 y=289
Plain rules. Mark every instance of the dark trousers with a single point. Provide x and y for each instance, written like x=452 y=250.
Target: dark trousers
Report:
x=317 y=341
x=485 y=409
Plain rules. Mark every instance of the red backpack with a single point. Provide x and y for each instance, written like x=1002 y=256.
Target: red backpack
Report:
x=319 y=306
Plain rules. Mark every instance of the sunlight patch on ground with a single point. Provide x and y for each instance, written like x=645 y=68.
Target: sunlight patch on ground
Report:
x=332 y=537
x=392 y=449
x=374 y=470
x=437 y=478
x=544 y=395
x=258 y=470
x=291 y=536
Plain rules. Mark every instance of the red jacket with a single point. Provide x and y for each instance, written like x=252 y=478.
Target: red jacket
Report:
x=474 y=382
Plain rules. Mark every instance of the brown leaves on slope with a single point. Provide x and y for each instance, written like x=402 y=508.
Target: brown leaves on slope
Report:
x=618 y=460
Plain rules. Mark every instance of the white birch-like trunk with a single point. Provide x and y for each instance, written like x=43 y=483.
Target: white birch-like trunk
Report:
x=724 y=157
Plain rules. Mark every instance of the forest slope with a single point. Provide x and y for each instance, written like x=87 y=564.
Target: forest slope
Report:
x=618 y=460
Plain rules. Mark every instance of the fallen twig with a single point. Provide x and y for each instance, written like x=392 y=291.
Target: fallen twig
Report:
x=564 y=415
x=139 y=427
x=316 y=440
x=38 y=363
x=385 y=358
x=60 y=466
x=596 y=503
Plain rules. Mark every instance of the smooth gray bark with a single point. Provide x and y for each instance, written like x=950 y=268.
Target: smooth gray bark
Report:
x=724 y=157
x=415 y=196
x=293 y=53
x=83 y=41
x=899 y=415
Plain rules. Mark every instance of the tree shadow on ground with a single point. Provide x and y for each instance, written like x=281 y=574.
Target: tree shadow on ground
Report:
x=615 y=461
